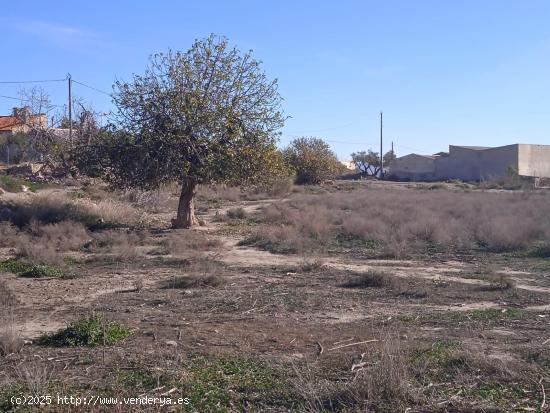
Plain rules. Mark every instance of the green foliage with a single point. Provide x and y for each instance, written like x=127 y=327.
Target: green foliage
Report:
x=312 y=160
x=369 y=162
x=42 y=270
x=11 y=184
x=207 y=115
x=14 y=266
x=222 y=384
x=17 y=145
x=24 y=269
x=440 y=353
x=15 y=389
x=92 y=330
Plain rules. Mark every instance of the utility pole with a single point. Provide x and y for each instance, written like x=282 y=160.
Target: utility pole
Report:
x=70 y=109
x=392 y=148
x=381 y=150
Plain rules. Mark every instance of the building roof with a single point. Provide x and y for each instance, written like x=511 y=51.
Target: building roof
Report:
x=419 y=155
x=473 y=148
x=7 y=123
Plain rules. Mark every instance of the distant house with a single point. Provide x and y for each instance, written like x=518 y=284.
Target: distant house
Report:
x=349 y=164
x=474 y=163
x=21 y=121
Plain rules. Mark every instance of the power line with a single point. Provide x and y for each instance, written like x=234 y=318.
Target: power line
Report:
x=91 y=87
x=409 y=148
x=323 y=130
x=9 y=97
x=33 y=81
x=27 y=100
x=334 y=141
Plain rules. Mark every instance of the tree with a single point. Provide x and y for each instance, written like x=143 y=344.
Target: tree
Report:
x=208 y=115
x=369 y=162
x=312 y=160
x=388 y=157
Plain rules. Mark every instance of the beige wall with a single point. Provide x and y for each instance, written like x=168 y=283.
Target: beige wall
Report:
x=470 y=164
x=534 y=160
x=474 y=164
x=414 y=167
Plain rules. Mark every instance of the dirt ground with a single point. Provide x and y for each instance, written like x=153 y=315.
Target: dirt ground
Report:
x=470 y=346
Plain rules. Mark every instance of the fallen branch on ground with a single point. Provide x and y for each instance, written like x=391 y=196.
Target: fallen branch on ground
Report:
x=353 y=344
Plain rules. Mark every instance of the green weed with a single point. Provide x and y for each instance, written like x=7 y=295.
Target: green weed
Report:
x=92 y=330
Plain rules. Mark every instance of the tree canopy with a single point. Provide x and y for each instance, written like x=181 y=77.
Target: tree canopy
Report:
x=312 y=160
x=368 y=162
x=207 y=115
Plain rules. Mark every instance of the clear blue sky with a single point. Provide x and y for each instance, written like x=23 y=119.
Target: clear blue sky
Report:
x=443 y=72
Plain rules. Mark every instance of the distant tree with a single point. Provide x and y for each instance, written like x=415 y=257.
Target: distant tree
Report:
x=312 y=160
x=368 y=162
x=388 y=157
x=208 y=115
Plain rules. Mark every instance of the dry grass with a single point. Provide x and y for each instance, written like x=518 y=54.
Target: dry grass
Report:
x=162 y=199
x=179 y=242
x=122 y=243
x=398 y=223
x=45 y=244
x=8 y=234
x=56 y=207
x=218 y=193
x=10 y=339
x=381 y=382
x=36 y=374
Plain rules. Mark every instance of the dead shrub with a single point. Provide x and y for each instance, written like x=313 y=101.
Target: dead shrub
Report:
x=38 y=253
x=10 y=338
x=380 y=384
x=237 y=213
x=218 y=193
x=62 y=236
x=279 y=240
x=111 y=212
x=56 y=207
x=36 y=374
x=158 y=200
x=179 y=242
x=7 y=298
x=46 y=209
x=196 y=281
x=122 y=243
x=311 y=265
x=8 y=234
x=11 y=341
x=277 y=189
x=497 y=282
x=369 y=279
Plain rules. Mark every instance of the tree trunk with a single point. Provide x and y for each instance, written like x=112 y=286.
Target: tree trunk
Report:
x=186 y=207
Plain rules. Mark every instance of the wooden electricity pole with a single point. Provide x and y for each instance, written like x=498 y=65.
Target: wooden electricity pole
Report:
x=70 y=109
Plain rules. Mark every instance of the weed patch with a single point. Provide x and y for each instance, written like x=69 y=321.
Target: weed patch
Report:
x=222 y=384
x=92 y=330
x=30 y=270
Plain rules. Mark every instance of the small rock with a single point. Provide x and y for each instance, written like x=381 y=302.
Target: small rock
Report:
x=171 y=343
